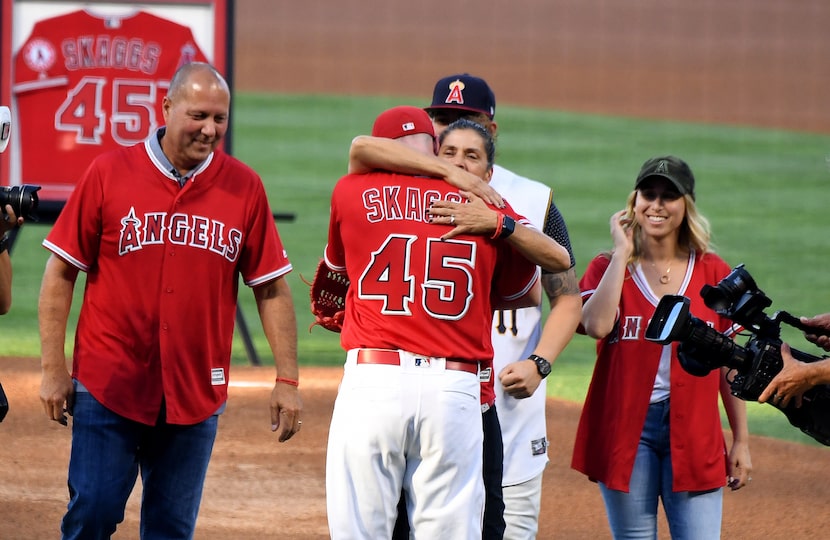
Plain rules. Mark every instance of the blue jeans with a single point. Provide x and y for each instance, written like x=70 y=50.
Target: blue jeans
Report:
x=691 y=515
x=108 y=451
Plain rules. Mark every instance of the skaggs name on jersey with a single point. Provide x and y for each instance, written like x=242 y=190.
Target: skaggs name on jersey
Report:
x=180 y=229
x=391 y=204
x=111 y=52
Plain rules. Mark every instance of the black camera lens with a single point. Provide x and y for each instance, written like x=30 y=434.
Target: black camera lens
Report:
x=23 y=200
x=729 y=290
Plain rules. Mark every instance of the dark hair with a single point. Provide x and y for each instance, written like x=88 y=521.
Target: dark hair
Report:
x=484 y=133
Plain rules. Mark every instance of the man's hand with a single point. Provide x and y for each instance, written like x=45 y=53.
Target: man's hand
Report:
x=286 y=406
x=56 y=394
x=520 y=379
x=9 y=220
x=819 y=322
x=791 y=382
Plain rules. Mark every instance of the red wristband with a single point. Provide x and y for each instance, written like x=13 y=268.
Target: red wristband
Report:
x=292 y=382
x=499 y=225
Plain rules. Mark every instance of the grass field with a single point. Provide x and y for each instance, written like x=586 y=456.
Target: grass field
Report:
x=765 y=192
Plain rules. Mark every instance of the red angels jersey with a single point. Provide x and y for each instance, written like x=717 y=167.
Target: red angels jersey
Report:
x=409 y=289
x=85 y=84
x=163 y=266
x=618 y=397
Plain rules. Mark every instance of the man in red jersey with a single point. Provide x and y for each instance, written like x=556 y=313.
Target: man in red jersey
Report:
x=416 y=330
x=163 y=230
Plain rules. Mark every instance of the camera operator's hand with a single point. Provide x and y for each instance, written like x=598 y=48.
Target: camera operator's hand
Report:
x=10 y=220
x=793 y=380
x=819 y=322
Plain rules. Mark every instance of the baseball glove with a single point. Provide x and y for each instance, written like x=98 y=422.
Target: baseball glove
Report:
x=328 y=297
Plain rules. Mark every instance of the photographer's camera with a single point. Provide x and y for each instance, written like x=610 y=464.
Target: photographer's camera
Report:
x=23 y=200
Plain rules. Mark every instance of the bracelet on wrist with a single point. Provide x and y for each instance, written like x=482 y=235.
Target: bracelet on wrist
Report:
x=285 y=380
x=499 y=225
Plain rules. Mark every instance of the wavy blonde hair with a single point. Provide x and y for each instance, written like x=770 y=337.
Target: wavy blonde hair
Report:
x=695 y=231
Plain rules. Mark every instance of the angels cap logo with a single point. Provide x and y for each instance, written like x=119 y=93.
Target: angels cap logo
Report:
x=456 y=93
x=39 y=55
x=662 y=168
x=187 y=54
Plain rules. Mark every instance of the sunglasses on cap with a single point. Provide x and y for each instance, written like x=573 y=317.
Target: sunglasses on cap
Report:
x=652 y=194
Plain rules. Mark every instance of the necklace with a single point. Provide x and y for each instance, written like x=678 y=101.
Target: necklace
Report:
x=665 y=277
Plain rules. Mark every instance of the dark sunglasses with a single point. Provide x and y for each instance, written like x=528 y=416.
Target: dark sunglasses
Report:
x=446 y=118
x=652 y=195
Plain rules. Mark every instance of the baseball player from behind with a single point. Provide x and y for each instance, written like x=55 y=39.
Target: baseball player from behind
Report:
x=163 y=230
x=407 y=413
x=515 y=437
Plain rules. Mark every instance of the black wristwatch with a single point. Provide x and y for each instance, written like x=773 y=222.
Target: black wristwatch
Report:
x=4 y=242
x=508 y=225
x=542 y=365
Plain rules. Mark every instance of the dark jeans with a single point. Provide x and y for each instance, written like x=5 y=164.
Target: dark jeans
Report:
x=108 y=451
x=493 y=466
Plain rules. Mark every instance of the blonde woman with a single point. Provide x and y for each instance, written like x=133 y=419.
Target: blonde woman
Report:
x=649 y=430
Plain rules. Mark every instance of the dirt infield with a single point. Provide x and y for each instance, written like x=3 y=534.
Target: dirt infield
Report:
x=258 y=488
x=754 y=62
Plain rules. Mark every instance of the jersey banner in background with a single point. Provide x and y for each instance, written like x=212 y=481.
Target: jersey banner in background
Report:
x=86 y=83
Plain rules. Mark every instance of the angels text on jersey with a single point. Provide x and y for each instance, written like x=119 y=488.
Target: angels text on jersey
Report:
x=158 y=228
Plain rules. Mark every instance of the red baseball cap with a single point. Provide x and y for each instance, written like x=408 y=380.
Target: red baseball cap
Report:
x=402 y=121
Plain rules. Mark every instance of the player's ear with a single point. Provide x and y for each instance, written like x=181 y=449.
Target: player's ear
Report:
x=165 y=107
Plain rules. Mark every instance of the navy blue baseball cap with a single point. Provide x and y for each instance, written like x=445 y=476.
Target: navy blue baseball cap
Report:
x=464 y=92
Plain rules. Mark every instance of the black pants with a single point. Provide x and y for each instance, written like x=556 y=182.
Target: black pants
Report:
x=493 y=467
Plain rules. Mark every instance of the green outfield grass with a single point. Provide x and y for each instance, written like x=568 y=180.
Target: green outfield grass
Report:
x=765 y=192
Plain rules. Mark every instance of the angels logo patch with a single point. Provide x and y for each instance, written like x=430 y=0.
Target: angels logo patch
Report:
x=39 y=55
x=456 y=93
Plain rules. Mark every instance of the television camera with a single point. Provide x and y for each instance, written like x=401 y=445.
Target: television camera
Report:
x=753 y=366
